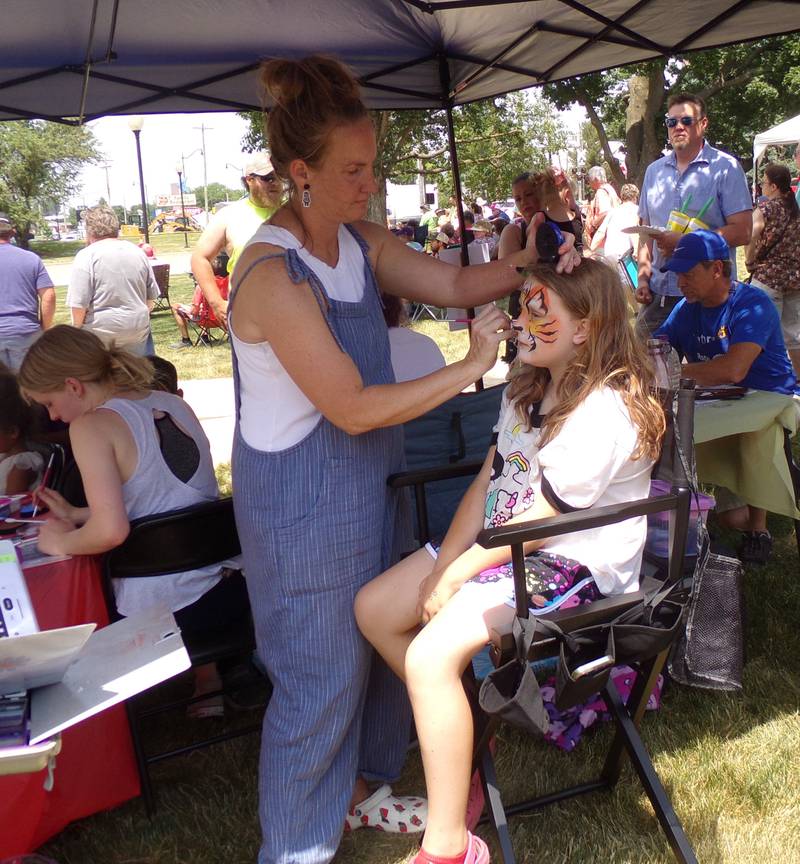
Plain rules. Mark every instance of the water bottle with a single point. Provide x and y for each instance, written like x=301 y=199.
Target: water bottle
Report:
x=666 y=363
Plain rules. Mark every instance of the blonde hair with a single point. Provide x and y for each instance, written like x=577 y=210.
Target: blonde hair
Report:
x=310 y=97
x=101 y=222
x=612 y=356
x=546 y=189
x=68 y=352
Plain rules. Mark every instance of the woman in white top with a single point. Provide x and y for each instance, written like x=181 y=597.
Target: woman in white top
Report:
x=317 y=435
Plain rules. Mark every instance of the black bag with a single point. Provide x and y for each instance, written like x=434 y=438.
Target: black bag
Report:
x=710 y=653
x=651 y=627
x=511 y=692
x=577 y=650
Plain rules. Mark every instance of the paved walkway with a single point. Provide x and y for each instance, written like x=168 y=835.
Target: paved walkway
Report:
x=212 y=401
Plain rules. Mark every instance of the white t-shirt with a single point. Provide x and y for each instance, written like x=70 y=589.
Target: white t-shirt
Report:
x=113 y=280
x=413 y=354
x=275 y=413
x=617 y=243
x=588 y=463
x=28 y=460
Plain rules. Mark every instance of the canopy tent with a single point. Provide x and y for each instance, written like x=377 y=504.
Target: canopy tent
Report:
x=787 y=132
x=87 y=58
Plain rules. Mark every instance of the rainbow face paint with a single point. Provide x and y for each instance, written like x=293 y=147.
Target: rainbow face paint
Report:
x=535 y=323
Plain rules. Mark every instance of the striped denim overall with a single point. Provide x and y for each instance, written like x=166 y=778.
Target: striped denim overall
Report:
x=316 y=522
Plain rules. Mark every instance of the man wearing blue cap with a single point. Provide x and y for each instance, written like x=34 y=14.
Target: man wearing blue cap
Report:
x=729 y=333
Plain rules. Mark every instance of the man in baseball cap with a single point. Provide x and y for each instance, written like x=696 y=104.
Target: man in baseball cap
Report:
x=729 y=333
x=232 y=226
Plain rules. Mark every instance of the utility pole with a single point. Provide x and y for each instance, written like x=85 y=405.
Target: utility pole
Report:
x=202 y=127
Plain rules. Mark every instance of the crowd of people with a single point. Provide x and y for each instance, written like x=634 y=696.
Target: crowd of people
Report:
x=324 y=377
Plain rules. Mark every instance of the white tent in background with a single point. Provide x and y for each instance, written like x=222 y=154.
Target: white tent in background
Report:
x=787 y=132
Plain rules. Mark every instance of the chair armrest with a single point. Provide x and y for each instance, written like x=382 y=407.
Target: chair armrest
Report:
x=430 y=475
x=580 y=520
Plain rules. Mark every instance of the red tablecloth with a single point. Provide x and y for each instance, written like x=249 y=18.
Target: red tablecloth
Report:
x=96 y=768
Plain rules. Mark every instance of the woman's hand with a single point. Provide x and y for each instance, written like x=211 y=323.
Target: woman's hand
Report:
x=568 y=257
x=487 y=330
x=57 y=504
x=434 y=592
x=52 y=534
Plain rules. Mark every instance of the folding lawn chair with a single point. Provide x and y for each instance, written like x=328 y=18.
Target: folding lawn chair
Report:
x=161 y=272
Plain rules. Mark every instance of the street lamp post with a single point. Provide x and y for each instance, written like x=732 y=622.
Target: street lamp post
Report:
x=136 y=124
x=179 y=169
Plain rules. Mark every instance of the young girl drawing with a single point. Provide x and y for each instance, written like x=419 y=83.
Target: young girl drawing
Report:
x=577 y=428
x=139 y=452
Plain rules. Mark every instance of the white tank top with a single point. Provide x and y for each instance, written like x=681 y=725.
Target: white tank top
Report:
x=275 y=413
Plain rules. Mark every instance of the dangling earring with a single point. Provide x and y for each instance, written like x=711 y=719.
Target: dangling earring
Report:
x=306 y=195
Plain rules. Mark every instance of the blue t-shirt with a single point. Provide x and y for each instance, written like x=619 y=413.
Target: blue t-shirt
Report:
x=22 y=276
x=700 y=332
x=712 y=175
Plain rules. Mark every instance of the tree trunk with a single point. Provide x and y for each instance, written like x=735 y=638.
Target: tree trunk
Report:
x=617 y=177
x=645 y=98
x=376 y=208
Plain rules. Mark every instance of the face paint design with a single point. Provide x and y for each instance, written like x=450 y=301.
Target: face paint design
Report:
x=536 y=323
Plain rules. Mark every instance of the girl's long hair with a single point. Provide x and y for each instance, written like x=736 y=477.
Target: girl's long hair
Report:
x=68 y=352
x=612 y=356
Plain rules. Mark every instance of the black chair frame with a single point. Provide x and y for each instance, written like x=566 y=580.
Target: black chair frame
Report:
x=627 y=718
x=173 y=542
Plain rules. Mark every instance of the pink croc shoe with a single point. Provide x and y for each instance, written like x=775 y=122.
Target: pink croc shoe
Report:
x=396 y=814
x=477 y=852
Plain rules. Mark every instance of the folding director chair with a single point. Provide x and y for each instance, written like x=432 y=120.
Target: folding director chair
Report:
x=673 y=465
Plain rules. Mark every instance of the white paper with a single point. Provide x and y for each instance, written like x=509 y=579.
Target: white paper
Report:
x=118 y=662
x=38 y=659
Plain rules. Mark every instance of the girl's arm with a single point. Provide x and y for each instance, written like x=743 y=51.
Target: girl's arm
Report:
x=461 y=558
x=92 y=436
x=18 y=480
x=58 y=506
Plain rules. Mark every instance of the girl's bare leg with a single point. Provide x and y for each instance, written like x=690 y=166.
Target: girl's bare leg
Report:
x=386 y=608
x=435 y=662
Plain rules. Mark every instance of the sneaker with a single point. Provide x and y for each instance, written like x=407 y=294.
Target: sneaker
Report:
x=184 y=343
x=756 y=547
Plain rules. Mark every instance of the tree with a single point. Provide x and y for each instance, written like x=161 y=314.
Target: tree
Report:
x=217 y=192
x=40 y=166
x=496 y=139
x=748 y=87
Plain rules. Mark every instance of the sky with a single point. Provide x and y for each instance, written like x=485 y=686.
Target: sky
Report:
x=164 y=138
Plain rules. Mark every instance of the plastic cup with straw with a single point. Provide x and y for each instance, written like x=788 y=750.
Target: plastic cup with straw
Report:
x=679 y=219
x=696 y=222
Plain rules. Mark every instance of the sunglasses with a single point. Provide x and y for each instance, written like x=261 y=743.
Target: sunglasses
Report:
x=672 y=122
x=266 y=178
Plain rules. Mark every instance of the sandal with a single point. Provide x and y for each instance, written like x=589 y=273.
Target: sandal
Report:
x=396 y=814
x=208 y=708
x=477 y=852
